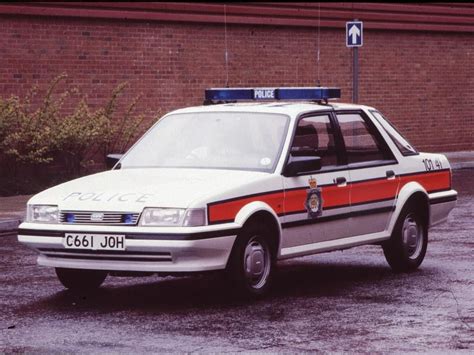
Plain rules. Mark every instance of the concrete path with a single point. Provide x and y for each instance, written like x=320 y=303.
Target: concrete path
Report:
x=12 y=212
x=461 y=160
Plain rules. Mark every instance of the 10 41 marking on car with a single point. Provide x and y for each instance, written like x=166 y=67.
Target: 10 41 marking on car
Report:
x=430 y=165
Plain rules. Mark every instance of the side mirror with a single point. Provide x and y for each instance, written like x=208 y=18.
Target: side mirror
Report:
x=303 y=152
x=112 y=159
x=301 y=164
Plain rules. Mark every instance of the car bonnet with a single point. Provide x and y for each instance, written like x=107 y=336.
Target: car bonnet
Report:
x=133 y=189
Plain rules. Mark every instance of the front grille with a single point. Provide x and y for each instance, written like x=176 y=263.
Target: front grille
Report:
x=102 y=218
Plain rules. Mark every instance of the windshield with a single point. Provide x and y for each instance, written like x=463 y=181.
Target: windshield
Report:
x=211 y=140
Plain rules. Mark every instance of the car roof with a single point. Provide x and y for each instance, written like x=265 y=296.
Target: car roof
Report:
x=292 y=109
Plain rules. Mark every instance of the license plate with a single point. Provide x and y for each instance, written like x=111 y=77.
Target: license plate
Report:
x=94 y=241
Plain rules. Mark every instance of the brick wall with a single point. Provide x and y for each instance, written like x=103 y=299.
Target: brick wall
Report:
x=422 y=81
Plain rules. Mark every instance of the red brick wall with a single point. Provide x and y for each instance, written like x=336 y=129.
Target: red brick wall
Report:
x=423 y=81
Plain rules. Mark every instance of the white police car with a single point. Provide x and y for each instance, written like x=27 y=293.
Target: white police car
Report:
x=237 y=186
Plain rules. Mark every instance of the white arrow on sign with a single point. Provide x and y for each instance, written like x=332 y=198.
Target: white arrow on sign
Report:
x=354 y=32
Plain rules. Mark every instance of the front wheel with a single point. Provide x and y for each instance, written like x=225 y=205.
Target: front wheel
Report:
x=81 y=280
x=252 y=261
x=407 y=246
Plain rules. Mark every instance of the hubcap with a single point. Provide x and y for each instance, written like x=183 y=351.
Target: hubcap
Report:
x=256 y=262
x=412 y=237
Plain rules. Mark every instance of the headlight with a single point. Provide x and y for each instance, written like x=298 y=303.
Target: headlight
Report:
x=42 y=214
x=168 y=217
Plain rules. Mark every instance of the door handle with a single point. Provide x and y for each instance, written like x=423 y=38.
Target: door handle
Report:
x=390 y=174
x=340 y=181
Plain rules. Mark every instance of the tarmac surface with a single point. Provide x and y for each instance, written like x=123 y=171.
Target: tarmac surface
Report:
x=346 y=301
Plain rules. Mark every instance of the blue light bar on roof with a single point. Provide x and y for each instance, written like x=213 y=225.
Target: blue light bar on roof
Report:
x=249 y=94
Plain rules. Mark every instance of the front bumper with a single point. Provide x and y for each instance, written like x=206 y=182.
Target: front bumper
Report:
x=147 y=249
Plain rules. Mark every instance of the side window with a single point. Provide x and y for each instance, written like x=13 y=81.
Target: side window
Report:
x=361 y=141
x=315 y=136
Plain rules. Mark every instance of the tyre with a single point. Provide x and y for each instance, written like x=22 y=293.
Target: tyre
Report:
x=406 y=248
x=252 y=261
x=81 y=280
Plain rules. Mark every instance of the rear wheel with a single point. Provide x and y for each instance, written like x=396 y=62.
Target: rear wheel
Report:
x=407 y=246
x=252 y=261
x=81 y=280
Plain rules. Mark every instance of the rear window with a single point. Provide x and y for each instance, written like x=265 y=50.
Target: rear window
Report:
x=402 y=144
x=361 y=141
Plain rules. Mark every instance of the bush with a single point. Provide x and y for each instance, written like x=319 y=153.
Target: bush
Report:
x=61 y=145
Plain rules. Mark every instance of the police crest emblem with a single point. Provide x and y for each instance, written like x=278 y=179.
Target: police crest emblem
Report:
x=314 y=202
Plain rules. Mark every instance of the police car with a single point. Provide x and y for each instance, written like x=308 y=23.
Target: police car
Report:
x=252 y=177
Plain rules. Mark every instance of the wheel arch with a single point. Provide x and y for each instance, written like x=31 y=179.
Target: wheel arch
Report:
x=260 y=212
x=414 y=193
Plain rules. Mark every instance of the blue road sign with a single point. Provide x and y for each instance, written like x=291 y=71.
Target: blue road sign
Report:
x=354 y=34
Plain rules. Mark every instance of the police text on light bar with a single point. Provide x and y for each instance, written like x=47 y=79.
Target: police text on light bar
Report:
x=285 y=93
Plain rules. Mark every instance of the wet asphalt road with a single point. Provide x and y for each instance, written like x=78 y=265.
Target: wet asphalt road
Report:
x=341 y=301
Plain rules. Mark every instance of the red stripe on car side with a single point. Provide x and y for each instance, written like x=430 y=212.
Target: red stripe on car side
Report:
x=226 y=211
x=333 y=196
x=433 y=181
x=374 y=190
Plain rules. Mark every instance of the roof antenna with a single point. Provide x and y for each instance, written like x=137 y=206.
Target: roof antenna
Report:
x=319 y=38
x=226 y=52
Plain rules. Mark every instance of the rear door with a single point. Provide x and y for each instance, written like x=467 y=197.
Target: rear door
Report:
x=373 y=172
x=316 y=205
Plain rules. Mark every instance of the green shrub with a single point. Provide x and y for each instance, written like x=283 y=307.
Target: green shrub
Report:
x=47 y=137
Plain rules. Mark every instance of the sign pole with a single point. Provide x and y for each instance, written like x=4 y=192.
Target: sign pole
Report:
x=355 y=74
x=354 y=40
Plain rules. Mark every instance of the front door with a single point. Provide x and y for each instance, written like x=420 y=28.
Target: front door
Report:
x=317 y=204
